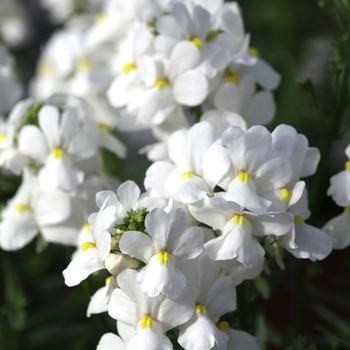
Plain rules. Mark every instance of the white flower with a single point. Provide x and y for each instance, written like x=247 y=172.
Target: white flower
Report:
x=214 y=296
x=143 y=321
x=338 y=229
x=198 y=163
x=255 y=168
x=239 y=230
x=31 y=212
x=58 y=142
x=340 y=184
x=167 y=243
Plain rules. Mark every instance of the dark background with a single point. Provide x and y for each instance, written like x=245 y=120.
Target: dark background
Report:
x=307 y=305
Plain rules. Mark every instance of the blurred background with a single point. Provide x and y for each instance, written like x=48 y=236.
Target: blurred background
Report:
x=306 y=306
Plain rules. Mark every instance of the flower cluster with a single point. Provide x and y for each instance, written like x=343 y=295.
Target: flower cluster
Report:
x=160 y=66
x=56 y=146
x=339 y=189
x=214 y=212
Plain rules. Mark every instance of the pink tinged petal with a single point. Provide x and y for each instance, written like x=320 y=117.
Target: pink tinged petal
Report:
x=31 y=142
x=110 y=341
x=128 y=194
x=98 y=302
x=185 y=56
x=261 y=108
x=191 y=88
x=137 y=245
x=338 y=229
x=312 y=243
x=49 y=122
x=82 y=266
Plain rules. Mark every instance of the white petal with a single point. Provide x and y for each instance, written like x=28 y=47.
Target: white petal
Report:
x=338 y=229
x=49 y=122
x=137 y=245
x=128 y=194
x=261 y=109
x=82 y=266
x=311 y=242
x=31 y=142
x=110 y=341
x=191 y=88
x=98 y=302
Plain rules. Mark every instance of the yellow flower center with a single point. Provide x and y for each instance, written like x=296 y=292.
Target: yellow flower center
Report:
x=84 y=65
x=100 y=18
x=163 y=257
x=22 y=208
x=232 y=77
x=108 y=280
x=58 y=153
x=88 y=245
x=197 y=42
x=129 y=67
x=253 y=51
x=103 y=126
x=285 y=194
x=244 y=176
x=238 y=219
x=187 y=175
x=3 y=137
x=298 y=220
x=347 y=165
x=147 y=322
x=347 y=209
x=161 y=84
x=200 y=309
x=86 y=228
x=46 y=69
x=223 y=326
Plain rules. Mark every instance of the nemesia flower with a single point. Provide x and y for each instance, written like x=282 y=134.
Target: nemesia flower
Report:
x=168 y=242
